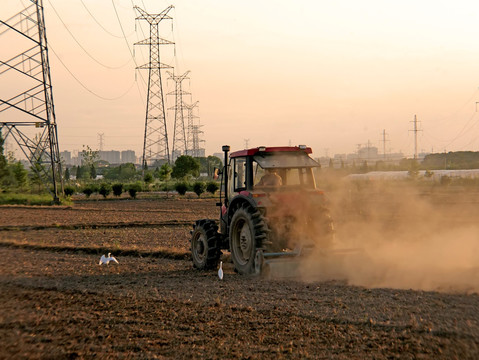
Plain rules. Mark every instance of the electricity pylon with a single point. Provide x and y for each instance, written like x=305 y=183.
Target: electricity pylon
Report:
x=29 y=117
x=189 y=133
x=194 y=131
x=179 y=132
x=155 y=142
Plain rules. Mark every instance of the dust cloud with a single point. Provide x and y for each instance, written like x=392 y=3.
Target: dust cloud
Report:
x=401 y=235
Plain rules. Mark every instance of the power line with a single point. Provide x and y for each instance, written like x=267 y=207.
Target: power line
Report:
x=81 y=46
x=130 y=50
x=443 y=120
x=141 y=29
x=83 y=85
x=463 y=130
x=100 y=25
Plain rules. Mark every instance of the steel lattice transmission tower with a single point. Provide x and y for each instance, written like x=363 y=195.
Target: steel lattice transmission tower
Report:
x=191 y=118
x=179 y=135
x=194 y=131
x=155 y=143
x=29 y=117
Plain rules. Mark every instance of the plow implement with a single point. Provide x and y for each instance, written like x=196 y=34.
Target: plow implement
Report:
x=324 y=264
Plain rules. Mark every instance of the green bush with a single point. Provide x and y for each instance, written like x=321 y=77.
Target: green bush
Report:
x=133 y=189
x=105 y=189
x=87 y=191
x=117 y=189
x=212 y=187
x=199 y=188
x=148 y=178
x=69 y=190
x=181 y=188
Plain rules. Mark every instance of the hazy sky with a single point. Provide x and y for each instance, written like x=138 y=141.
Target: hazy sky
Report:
x=329 y=74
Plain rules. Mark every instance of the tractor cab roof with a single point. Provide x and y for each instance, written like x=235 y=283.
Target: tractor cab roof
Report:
x=275 y=149
x=279 y=157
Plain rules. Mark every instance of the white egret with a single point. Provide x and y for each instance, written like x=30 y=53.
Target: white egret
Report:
x=106 y=260
x=220 y=271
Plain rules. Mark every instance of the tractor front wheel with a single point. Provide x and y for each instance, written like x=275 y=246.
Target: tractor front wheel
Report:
x=205 y=250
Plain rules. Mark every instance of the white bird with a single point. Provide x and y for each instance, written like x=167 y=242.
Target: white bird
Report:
x=220 y=271
x=106 y=260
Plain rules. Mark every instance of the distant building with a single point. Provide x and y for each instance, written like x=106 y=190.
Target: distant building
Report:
x=368 y=153
x=66 y=156
x=128 y=156
x=112 y=156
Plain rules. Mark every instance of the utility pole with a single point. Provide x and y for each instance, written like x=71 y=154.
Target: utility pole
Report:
x=384 y=143
x=34 y=107
x=415 y=130
x=155 y=142
x=246 y=143
x=179 y=133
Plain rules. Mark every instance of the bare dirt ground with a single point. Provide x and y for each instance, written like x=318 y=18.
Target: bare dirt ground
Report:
x=57 y=302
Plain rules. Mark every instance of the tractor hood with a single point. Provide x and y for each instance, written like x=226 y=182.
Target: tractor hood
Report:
x=285 y=160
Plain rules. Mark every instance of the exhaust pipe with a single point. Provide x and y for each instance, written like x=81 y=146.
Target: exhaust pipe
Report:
x=226 y=150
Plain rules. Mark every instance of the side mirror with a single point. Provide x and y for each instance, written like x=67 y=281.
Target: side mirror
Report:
x=217 y=174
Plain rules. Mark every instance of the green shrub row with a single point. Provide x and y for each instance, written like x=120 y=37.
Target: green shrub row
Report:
x=105 y=189
x=198 y=187
x=117 y=189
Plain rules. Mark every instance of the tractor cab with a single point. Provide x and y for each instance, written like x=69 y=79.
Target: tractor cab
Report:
x=266 y=169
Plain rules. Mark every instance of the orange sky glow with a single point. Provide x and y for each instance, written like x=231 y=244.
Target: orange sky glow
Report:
x=331 y=75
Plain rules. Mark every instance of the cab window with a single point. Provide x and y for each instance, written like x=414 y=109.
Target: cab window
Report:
x=239 y=174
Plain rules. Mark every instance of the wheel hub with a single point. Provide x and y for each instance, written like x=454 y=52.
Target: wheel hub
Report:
x=200 y=247
x=245 y=242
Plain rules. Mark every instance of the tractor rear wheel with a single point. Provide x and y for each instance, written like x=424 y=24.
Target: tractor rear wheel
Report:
x=205 y=250
x=248 y=231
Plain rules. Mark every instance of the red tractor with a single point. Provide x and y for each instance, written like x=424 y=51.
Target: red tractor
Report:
x=270 y=209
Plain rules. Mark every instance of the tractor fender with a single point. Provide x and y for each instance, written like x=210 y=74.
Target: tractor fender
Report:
x=238 y=201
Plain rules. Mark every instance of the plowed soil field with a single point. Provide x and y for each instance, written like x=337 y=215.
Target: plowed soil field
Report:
x=57 y=302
